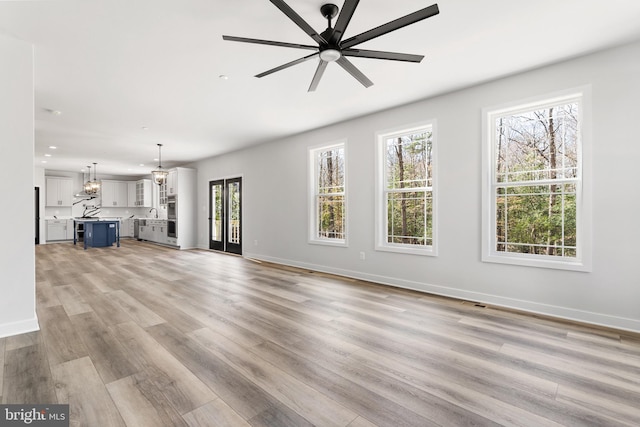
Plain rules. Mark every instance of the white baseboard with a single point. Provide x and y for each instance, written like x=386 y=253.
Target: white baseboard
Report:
x=21 y=327
x=567 y=313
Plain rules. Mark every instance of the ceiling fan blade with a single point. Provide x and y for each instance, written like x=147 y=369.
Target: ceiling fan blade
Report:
x=391 y=26
x=344 y=18
x=377 y=54
x=287 y=65
x=318 y=75
x=351 y=69
x=297 y=19
x=269 y=42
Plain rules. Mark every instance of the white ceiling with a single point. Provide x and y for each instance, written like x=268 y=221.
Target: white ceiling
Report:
x=112 y=67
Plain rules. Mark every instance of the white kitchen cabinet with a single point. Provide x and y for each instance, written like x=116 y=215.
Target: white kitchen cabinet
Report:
x=115 y=194
x=172 y=182
x=59 y=191
x=59 y=229
x=159 y=231
x=126 y=227
x=131 y=194
x=153 y=230
x=186 y=218
x=144 y=193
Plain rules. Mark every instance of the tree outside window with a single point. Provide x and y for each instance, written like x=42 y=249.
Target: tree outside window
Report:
x=328 y=173
x=535 y=187
x=536 y=178
x=407 y=191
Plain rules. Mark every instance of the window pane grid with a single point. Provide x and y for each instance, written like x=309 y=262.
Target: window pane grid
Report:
x=409 y=217
x=408 y=188
x=539 y=144
x=331 y=214
x=329 y=206
x=538 y=175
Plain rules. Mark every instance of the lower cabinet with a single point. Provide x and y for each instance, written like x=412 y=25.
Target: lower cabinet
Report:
x=153 y=230
x=59 y=229
x=126 y=227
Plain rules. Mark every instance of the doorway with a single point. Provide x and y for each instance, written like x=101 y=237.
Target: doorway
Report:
x=225 y=215
x=36 y=215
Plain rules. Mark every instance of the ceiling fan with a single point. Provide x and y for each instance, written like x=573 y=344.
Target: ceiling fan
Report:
x=331 y=47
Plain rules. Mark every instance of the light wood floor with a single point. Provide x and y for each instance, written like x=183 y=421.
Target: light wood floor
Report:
x=148 y=336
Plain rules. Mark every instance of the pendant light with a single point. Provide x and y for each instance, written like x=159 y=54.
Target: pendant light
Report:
x=92 y=187
x=159 y=175
x=87 y=185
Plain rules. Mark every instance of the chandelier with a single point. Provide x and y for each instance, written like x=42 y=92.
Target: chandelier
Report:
x=159 y=175
x=92 y=187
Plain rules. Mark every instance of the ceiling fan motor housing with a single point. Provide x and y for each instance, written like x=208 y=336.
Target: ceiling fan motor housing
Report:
x=329 y=10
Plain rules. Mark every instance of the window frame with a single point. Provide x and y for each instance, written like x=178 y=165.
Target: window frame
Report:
x=381 y=190
x=313 y=155
x=582 y=261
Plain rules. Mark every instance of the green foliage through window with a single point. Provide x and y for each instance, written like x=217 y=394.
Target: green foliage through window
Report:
x=536 y=180
x=330 y=190
x=409 y=188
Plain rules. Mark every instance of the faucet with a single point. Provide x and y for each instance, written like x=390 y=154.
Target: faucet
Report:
x=154 y=209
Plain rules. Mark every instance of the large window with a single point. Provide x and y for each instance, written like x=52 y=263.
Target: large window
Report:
x=406 y=191
x=535 y=189
x=327 y=202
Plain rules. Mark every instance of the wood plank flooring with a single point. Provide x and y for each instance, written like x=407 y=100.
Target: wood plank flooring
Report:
x=144 y=335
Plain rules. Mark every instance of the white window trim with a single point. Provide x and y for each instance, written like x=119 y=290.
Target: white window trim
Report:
x=312 y=205
x=381 y=243
x=583 y=260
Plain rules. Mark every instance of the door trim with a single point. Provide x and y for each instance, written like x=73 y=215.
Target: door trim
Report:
x=224 y=245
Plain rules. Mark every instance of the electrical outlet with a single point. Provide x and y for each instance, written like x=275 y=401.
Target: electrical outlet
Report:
x=362 y=256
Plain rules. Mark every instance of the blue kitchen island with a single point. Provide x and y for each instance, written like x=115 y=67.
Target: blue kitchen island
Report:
x=97 y=233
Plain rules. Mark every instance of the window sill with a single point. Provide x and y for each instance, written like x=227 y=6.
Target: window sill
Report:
x=327 y=242
x=555 y=263
x=423 y=251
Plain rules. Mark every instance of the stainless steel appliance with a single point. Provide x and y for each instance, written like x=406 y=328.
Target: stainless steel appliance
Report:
x=136 y=228
x=172 y=212
x=172 y=228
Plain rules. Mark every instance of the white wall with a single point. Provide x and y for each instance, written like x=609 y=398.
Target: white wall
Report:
x=275 y=198
x=17 y=258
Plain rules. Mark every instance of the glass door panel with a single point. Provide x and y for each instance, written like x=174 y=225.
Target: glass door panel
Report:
x=233 y=189
x=216 y=215
x=225 y=215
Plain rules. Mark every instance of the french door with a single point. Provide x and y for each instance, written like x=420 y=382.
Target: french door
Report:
x=225 y=215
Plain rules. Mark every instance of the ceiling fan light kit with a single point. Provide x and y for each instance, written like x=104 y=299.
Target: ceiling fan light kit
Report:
x=331 y=47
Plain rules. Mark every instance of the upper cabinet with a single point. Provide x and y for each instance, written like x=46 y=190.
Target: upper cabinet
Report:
x=115 y=194
x=144 y=192
x=172 y=182
x=59 y=191
x=178 y=180
x=131 y=194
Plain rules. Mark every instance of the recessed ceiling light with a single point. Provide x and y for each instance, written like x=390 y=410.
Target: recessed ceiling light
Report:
x=223 y=77
x=141 y=164
x=52 y=111
x=145 y=128
x=47 y=155
x=53 y=147
x=44 y=161
x=155 y=160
